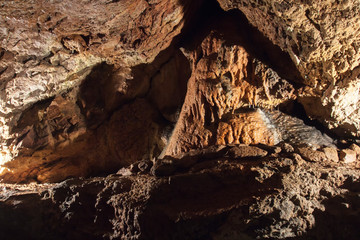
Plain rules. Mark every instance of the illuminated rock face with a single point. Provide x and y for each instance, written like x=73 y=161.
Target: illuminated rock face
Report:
x=88 y=91
x=179 y=119
x=226 y=81
x=66 y=67
x=322 y=38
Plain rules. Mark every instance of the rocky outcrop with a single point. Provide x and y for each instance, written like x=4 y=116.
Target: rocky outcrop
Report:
x=238 y=192
x=226 y=80
x=322 y=39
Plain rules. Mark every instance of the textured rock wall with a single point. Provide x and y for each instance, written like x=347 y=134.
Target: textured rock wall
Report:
x=158 y=78
x=322 y=39
x=225 y=81
x=176 y=119
x=67 y=66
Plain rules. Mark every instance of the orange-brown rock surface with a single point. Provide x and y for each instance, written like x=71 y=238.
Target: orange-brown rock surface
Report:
x=179 y=119
x=226 y=81
x=81 y=100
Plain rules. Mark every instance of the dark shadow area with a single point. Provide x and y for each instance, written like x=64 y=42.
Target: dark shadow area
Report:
x=132 y=111
x=30 y=116
x=168 y=86
x=163 y=83
x=92 y=95
x=296 y=109
x=341 y=218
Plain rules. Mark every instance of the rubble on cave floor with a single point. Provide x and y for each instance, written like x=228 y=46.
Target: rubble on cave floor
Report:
x=221 y=192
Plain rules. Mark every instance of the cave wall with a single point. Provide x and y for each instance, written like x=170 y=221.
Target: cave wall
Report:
x=322 y=39
x=179 y=119
x=219 y=193
x=88 y=91
x=66 y=67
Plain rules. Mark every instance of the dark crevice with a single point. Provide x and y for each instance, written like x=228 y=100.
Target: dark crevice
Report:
x=307 y=14
x=2 y=52
x=25 y=59
x=3 y=69
x=100 y=35
x=296 y=109
x=86 y=39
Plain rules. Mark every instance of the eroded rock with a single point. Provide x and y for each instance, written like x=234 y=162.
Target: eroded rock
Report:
x=310 y=154
x=246 y=152
x=224 y=80
x=51 y=49
x=331 y=154
x=322 y=39
x=181 y=97
x=356 y=149
x=272 y=197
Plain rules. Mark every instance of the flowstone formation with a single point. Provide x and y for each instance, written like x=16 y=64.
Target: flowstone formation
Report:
x=177 y=119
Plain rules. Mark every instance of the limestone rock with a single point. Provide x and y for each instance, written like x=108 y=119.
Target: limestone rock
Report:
x=224 y=80
x=229 y=198
x=356 y=149
x=311 y=155
x=331 y=154
x=248 y=127
x=243 y=151
x=48 y=49
x=294 y=130
x=286 y=147
x=270 y=149
x=189 y=101
x=347 y=156
x=86 y=81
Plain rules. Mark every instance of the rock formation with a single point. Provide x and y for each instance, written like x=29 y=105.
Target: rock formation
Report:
x=322 y=39
x=179 y=119
x=240 y=192
x=64 y=75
